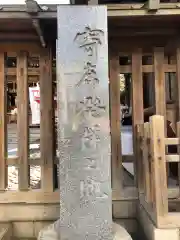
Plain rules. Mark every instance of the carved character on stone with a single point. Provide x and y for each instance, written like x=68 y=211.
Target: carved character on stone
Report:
x=89 y=75
x=90 y=137
x=91 y=163
x=89 y=39
x=91 y=106
x=91 y=188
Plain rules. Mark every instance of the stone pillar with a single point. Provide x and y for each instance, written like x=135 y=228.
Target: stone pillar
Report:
x=83 y=128
x=83 y=131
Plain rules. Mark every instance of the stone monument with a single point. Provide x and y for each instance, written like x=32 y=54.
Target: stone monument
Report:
x=84 y=132
x=83 y=127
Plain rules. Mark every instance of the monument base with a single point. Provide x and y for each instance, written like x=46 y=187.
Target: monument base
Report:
x=51 y=233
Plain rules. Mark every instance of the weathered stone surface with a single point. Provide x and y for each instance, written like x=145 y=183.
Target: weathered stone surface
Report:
x=83 y=128
x=51 y=233
x=120 y=233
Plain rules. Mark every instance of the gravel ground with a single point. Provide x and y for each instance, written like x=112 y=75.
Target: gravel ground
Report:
x=35 y=174
x=35 y=177
x=35 y=171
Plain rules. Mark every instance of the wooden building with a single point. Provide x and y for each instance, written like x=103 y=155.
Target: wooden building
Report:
x=144 y=47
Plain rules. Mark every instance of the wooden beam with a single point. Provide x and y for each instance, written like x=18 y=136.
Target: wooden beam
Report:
x=31 y=72
x=17 y=36
x=46 y=124
x=139 y=153
x=149 y=68
x=118 y=11
x=178 y=81
x=38 y=29
x=33 y=8
x=160 y=100
x=14 y=15
x=15 y=47
x=30 y=197
x=116 y=161
x=3 y=125
x=146 y=166
x=23 y=120
x=178 y=101
x=124 y=44
x=159 y=176
x=137 y=98
x=134 y=31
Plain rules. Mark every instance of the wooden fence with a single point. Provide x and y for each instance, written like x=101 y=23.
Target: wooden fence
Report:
x=154 y=194
x=47 y=159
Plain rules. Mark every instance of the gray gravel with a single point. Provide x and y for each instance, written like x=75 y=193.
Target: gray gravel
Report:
x=35 y=171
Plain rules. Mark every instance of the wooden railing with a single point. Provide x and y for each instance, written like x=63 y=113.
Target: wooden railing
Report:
x=154 y=194
x=152 y=5
x=47 y=160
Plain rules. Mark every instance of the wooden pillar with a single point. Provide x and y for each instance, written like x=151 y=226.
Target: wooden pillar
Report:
x=159 y=176
x=3 y=125
x=146 y=165
x=23 y=120
x=178 y=101
x=150 y=89
x=160 y=100
x=116 y=156
x=139 y=154
x=46 y=124
x=178 y=149
x=137 y=101
x=178 y=82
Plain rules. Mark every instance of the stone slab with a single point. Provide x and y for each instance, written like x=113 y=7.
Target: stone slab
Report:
x=51 y=233
x=83 y=126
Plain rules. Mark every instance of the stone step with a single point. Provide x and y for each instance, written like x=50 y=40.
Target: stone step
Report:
x=5 y=231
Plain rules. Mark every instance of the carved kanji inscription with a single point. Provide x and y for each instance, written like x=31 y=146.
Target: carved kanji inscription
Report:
x=91 y=163
x=91 y=107
x=91 y=188
x=89 y=39
x=89 y=76
x=90 y=137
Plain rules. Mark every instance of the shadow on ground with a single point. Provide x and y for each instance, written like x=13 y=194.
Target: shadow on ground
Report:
x=139 y=235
